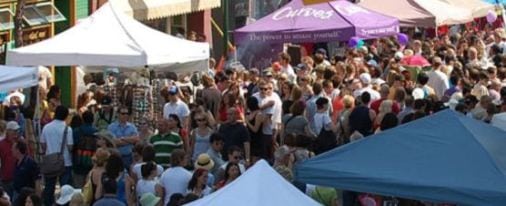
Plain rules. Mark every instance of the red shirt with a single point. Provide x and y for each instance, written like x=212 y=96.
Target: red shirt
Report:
x=222 y=113
x=376 y=104
x=337 y=106
x=8 y=160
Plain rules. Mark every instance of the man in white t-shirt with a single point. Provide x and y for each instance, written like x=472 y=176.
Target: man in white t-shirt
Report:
x=175 y=179
x=366 y=80
x=177 y=107
x=52 y=139
x=270 y=102
x=437 y=79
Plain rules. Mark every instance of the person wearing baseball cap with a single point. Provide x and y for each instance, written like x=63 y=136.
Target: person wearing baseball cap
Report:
x=320 y=57
x=366 y=80
x=7 y=156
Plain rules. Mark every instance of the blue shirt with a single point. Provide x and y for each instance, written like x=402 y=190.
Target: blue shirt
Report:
x=26 y=174
x=120 y=131
x=84 y=130
x=108 y=200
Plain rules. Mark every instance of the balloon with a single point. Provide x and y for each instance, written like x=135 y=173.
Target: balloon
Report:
x=491 y=16
x=360 y=43
x=403 y=39
x=353 y=42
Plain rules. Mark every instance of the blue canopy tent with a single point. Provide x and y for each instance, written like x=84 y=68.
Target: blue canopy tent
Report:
x=446 y=157
x=496 y=1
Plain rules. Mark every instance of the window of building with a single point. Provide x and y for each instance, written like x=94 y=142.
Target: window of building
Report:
x=42 y=13
x=178 y=26
x=6 y=19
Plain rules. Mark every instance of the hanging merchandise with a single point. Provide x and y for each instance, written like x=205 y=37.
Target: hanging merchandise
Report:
x=142 y=98
x=158 y=99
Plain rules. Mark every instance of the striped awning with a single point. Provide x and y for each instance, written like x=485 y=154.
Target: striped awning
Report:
x=154 y=9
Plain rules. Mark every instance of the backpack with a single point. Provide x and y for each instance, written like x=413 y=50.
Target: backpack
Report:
x=84 y=151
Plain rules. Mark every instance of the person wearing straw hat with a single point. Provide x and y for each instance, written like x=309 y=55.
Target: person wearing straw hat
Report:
x=105 y=139
x=204 y=161
x=66 y=194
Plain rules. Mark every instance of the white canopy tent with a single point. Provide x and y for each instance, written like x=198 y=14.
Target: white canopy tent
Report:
x=17 y=77
x=259 y=185
x=111 y=38
x=479 y=8
x=446 y=14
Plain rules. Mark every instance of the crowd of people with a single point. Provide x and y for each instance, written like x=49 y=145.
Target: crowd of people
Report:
x=205 y=137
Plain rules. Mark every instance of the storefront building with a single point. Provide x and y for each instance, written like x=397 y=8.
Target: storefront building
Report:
x=39 y=20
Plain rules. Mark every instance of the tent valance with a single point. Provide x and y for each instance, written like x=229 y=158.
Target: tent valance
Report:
x=153 y=9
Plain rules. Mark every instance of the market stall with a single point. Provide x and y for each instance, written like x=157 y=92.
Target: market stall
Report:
x=421 y=13
x=259 y=185
x=110 y=38
x=323 y=22
x=462 y=163
x=479 y=8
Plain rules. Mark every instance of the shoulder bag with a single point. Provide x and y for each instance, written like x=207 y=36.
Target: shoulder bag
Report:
x=53 y=165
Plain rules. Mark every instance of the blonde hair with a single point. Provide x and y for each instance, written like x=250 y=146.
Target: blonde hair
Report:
x=386 y=107
x=348 y=101
x=296 y=93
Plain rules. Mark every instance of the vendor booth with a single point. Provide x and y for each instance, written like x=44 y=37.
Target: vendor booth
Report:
x=110 y=38
x=324 y=22
x=479 y=8
x=463 y=163
x=421 y=13
x=259 y=185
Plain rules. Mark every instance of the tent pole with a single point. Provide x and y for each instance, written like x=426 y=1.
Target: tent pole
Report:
x=225 y=28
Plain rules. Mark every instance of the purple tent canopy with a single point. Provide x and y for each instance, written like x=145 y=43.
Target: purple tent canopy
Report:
x=330 y=21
